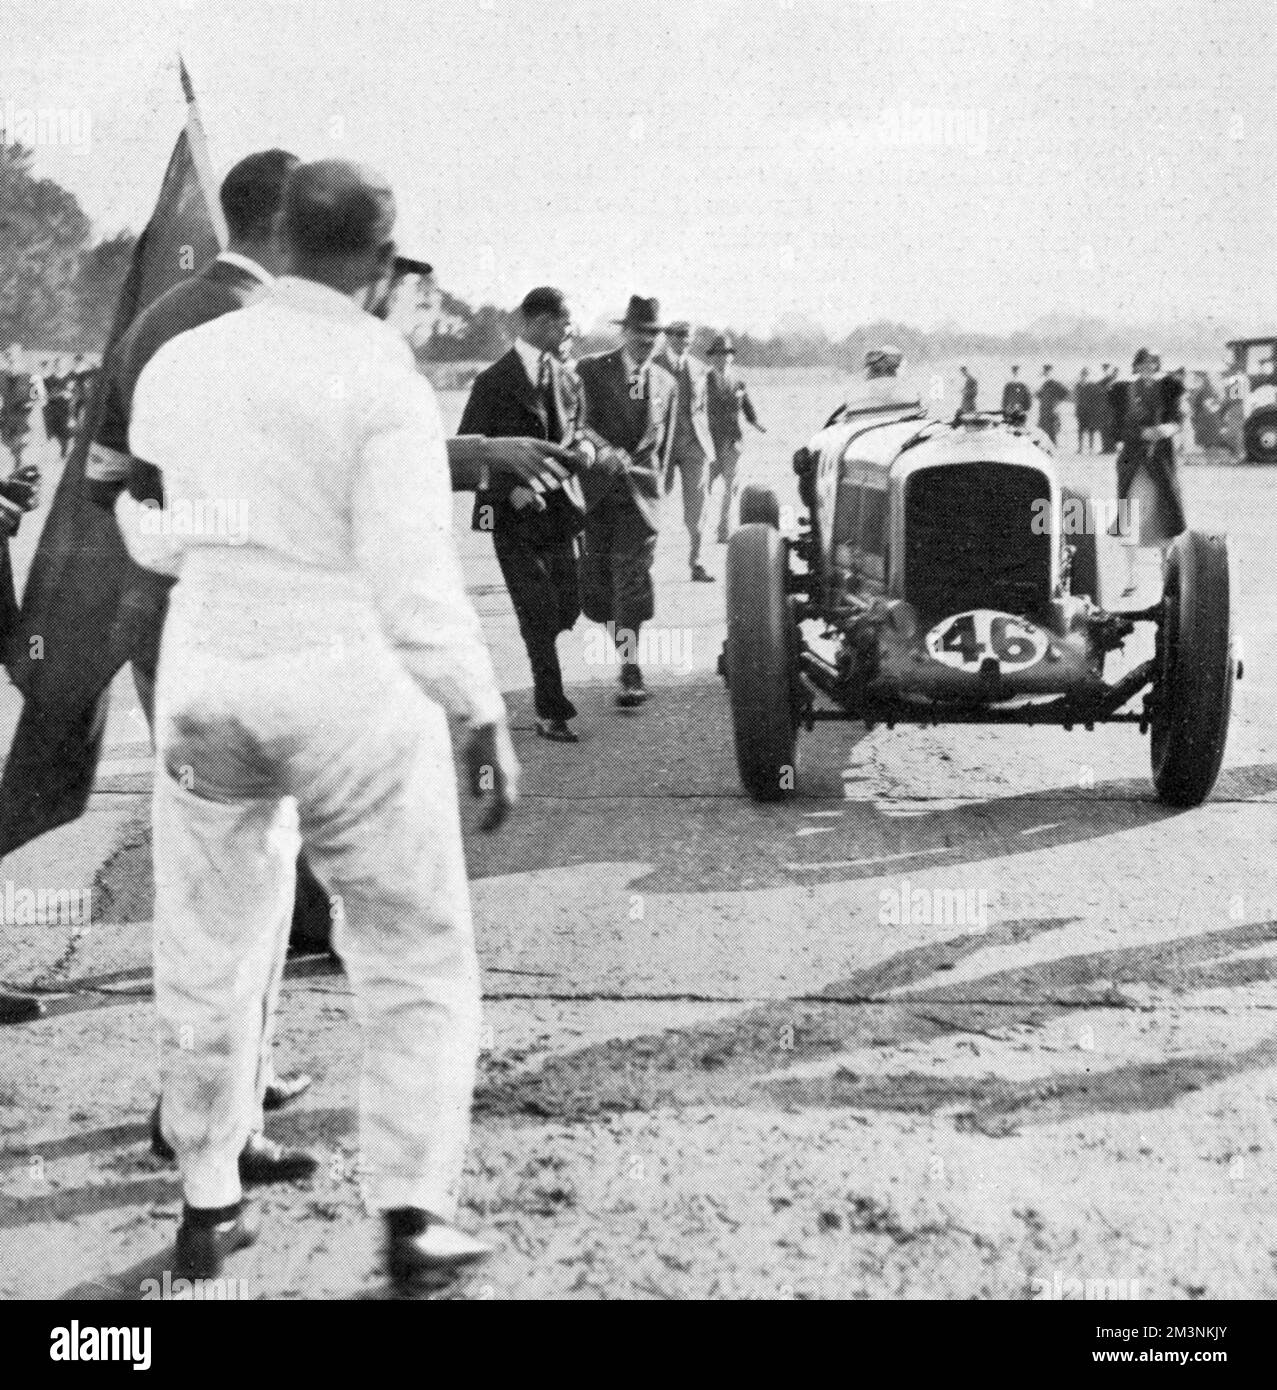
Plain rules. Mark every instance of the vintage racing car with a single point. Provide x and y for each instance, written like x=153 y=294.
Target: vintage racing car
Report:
x=941 y=572
x=1251 y=388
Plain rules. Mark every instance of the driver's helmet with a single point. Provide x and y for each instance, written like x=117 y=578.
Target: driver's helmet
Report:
x=883 y=361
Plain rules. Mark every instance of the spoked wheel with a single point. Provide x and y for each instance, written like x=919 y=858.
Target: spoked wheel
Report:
x=758 y=505
x=761 y=661
x=1193 y=686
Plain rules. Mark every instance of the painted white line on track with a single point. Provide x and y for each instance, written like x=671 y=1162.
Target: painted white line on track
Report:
x=877 y=859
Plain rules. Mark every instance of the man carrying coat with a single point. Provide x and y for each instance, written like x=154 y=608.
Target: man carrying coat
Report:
x=528 y=392
x=692 y=445
x=629 y=416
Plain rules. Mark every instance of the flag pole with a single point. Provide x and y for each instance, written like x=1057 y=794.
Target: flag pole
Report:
x=198 y=143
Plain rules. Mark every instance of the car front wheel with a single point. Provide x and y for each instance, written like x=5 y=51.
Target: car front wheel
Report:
x=1193 y=685
x=761 y=657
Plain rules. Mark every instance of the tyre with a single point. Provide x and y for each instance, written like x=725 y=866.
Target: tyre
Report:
x=1193 y=684
x=1084 y=565
x=758 y=506
x=1260 y=435
x=761 y=657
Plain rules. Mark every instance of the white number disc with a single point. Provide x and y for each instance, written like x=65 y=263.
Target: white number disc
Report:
x=967 y=639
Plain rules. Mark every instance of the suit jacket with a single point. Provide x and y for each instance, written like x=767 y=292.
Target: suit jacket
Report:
x=698 y=406
x=1163 y=406
x=727 y=400
x=218 y=289
x=642 y=427
x=504 y=404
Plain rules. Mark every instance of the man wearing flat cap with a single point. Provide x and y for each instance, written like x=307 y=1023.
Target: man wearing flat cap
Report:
x=310 y=661
x=728 y=401
x=529 y=392
x=691 y=453
x=629 y=416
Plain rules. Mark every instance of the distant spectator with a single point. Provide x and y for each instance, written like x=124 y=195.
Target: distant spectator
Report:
x=1084 y=413
x=1051 y=395
x=1016 y=399
x=1105 y=419
x=970 y=391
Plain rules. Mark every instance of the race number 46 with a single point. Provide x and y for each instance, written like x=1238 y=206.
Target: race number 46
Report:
x=967 y=639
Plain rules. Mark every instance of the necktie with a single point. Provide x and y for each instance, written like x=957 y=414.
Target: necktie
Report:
x=549 y=399
x=638 y=384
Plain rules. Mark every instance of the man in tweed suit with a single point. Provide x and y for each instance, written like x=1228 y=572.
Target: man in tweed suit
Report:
x=629 y=416
x=692 y=446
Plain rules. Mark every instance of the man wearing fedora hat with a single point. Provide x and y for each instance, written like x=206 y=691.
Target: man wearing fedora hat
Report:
x=629 y=416
x=692 y=445
x=727 y=400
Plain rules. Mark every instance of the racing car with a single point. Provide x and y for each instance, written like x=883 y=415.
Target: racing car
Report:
x=940 y=572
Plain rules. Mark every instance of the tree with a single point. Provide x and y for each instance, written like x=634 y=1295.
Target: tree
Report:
x=43 y=232
x=99 y=277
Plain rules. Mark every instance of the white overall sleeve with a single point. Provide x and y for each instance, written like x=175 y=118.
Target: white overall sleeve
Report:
x=402 y=531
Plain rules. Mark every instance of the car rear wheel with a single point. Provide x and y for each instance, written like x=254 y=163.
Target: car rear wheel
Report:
x=1261 y=436
x=758 y=505
x=761 y=655
x=1193 y=687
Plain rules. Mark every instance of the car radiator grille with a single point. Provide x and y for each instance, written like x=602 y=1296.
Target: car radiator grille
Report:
x=970 y=540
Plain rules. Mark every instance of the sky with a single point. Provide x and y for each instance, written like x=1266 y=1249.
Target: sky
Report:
x=982 y=163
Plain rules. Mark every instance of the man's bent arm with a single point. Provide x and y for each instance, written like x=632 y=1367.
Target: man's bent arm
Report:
x=472 y=459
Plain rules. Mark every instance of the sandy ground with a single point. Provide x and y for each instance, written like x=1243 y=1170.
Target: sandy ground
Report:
x=713 y=1065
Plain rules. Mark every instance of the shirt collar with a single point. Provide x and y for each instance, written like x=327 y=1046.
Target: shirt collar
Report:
x=634 y=368
x=258 y=272
x=312 y=297
x=531 y=359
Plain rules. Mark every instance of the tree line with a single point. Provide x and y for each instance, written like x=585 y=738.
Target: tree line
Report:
x=58 y=284
x=58 y=287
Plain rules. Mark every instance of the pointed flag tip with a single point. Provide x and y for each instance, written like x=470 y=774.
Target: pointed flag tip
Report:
x=187 y=90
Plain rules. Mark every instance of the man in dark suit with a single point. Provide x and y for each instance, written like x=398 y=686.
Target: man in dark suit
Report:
x=529 y=393
x=728 y=401
x=629 y=415
x=692 y=445
x=1016 y=399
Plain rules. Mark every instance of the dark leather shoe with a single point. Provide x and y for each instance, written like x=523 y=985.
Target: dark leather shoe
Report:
x=261 y=1161
x=701 y=575
x=201 y=1250
x=19 y=1008
x=160 y=1146
x=424 y=1253
x=632 y=692
x=285 y=1089
x=557 y=730
x=264 y=1161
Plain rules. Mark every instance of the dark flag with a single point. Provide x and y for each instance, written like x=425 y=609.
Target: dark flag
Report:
x=72 y=634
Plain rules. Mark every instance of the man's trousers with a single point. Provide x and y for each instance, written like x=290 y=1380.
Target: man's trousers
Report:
x=339 y=743
x=693 y=471
x=728 y=456
x=544 y=583
x=616 y=566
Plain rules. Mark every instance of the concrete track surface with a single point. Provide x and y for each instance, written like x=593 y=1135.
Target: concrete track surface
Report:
x=728 y=1051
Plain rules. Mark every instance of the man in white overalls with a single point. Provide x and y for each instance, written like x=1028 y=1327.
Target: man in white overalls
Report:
x=319 y=636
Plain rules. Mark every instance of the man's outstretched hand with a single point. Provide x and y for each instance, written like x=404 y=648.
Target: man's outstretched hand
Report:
x=533 y=461
x=494 y=772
